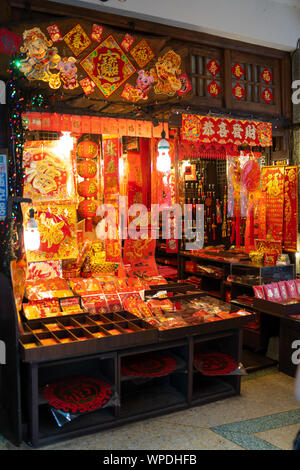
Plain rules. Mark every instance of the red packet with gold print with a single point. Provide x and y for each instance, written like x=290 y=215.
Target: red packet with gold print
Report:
x=269 y=292
x=57 y=224
x=291 y=288
x=48 y=171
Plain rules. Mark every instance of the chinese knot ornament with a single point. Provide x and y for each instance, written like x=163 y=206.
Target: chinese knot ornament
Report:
x=87 y=169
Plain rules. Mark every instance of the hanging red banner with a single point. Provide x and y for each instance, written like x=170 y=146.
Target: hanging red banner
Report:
x=273 y=185
x=189 y=150
x=213 y=129
x=111 y=191
x=290 y=208
x=111 y=166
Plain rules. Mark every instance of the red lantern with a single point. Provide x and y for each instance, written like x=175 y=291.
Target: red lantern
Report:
x=251 y=175
x=87 y=149
x=87 y=188
x=87 y=169
x=87 y=210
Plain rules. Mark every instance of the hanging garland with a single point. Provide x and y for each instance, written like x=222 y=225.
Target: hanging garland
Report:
x=18 y=102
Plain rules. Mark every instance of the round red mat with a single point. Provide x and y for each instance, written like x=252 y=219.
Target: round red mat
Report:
x=148 y=365
x=77 y=394
x=215 y=363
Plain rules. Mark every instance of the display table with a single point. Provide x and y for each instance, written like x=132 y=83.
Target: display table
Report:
x=33 y=419
x=134 y=398
x=288 y=327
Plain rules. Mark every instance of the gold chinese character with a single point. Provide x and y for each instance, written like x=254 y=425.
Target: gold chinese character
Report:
x=109 y=67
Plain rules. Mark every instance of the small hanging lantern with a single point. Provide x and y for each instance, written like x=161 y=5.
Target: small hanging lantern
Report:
x=32 y=238
x=163 y=163
x=87 y=150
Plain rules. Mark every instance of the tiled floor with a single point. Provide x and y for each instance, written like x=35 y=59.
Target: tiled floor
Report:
x=265 y=416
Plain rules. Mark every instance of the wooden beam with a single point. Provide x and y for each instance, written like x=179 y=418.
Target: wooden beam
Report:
x=143 y=26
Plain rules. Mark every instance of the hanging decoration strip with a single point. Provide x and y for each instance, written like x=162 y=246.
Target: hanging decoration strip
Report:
x=111 y=153
x=87 y=189
x=213 y=151
x=55 y=122
x=290 y=220
x=273 y=185
x=208 y=129
x=106 y=64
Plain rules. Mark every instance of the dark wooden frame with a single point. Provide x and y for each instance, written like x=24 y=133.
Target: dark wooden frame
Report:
x=228 y=48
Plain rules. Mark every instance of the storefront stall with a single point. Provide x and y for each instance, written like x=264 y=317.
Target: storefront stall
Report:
x=110 y=314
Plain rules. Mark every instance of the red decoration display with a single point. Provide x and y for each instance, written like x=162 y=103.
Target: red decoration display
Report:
x=87 y=169
x=237 y=70
x=77 y=394
x=290 y=221
x=215 y=363
x=221 y=130
x=148 y=365
x=213 y=89
x=238 y=91
x=9 y=42
x=213 y=67
x=251 y=175
x=87 y=189
x=266 y=75
x=77 y=40
x=273 y=185
x=108 y=66
x=267 y=95
x=87 y=149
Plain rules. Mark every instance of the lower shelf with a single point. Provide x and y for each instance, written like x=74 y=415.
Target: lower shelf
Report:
x=49 y=429
x=207 y=388
x=139 y=398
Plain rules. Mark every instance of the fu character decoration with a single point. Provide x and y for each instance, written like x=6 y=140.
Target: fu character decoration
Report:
x=87 y=151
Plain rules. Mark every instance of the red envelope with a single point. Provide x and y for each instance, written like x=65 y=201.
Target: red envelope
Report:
x=283 y=290
x=259 y=292
x=291 y=288
x=269 y=292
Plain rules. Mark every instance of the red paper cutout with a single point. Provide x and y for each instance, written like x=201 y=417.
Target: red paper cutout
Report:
x=97 y=32
x=266 y=75
x=87 y=85
x=214 y=89
x=238 y=91
x=142 y=53
x=9 y=42
x=213 y=67
x=237 y=70
x=77 y=40
x=267 y=95
x=127 y=42
x=54 y=33
x=185 y=84
x=108 y=66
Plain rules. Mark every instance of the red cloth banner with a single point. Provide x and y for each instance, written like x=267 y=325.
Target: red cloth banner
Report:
x=189 y=150
x=111 y=191
x=9 y=42
x=273 y=185
x=111 y=166
x=221 y=130
x=290 y=208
